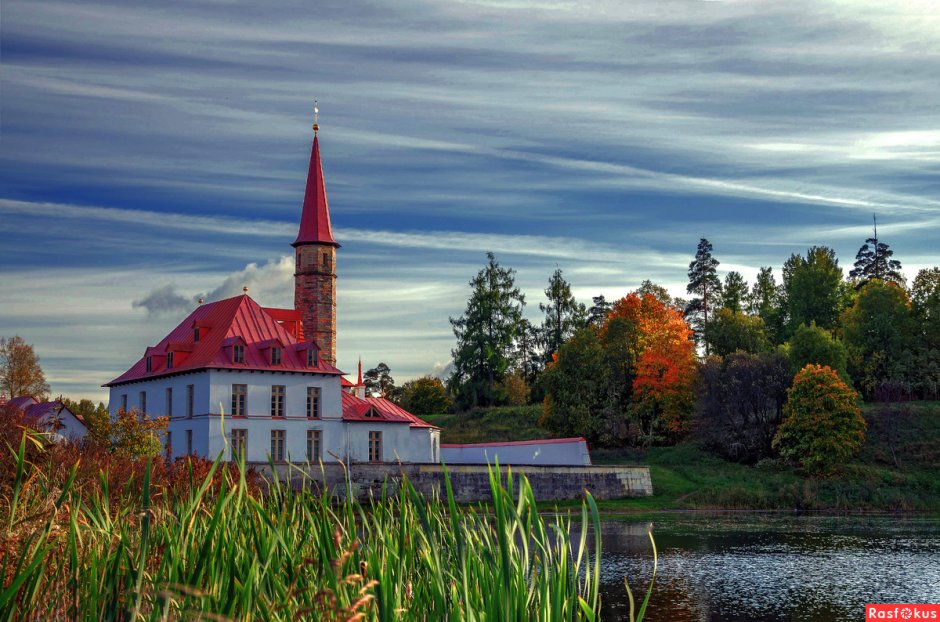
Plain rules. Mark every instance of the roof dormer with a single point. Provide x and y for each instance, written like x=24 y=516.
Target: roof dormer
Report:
x=309 y=353
x=275 y=350
x=200 y=329
x=235 y=347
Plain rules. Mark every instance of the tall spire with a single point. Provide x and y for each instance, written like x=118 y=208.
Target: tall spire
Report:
x=315 y=225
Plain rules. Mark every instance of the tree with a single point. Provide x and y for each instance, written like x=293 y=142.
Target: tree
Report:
x=563 y=314
x=425 y=396
x=130 y=433
x=822 y=424
x=20 y=373
x=873 y=261
x=517 y=390
x=740 y=404
x=526 y=359
x=925 y=305
x=730 y=331
x=764 y=301
x=813 y=345
x=597 y=314
x=704 y=284
x=485 y=334
x=811 y=287
x=734 y=292
x=379 y=382
x=879 y=334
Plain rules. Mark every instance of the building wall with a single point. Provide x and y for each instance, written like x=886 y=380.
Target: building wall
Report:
x=572 y=451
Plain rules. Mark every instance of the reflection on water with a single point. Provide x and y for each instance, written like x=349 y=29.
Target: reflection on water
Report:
x=730 y=569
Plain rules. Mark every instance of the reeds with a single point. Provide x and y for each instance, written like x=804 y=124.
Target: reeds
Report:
x=220 y=549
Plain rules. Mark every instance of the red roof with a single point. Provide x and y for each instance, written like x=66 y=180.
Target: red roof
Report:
x=289 y=319
x=221 y=324
x=378 y=409
x=315 y=219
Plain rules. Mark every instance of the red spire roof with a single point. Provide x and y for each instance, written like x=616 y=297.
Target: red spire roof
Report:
x=315 y=220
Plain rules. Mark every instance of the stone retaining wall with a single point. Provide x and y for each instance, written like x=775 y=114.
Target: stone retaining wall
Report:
x=471 y=482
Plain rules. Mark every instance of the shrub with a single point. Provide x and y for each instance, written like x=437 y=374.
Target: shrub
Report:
x=425 y=396
x=822 y=425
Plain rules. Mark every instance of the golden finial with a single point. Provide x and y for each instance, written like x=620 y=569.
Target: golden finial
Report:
x=245 y=290
x=200 y=300
x=316 y=116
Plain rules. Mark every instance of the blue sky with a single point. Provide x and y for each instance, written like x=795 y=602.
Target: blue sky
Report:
x=153 y=152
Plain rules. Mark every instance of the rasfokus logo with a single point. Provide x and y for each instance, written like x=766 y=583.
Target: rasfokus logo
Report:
x=902 y=612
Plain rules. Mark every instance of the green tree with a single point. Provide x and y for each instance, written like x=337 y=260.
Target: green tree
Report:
x=527 y=360
x=379 y=382
x=734 y=292
x=925 y=305
x=563 y=314
x=740 y=404
x=813 y=345
x=486 y=334
x=730 y=331
x=811 y=287
x=879 y=333
x=130 y=433
x=425 y=396
x=873 y=261
x=764 y=301
x=597 y=314
x=822 y=424
x=20 y=373
x=705 y=286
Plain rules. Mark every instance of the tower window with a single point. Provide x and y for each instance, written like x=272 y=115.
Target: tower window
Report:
x=169 y=360
x=277 y=400
x=312 y=358
x=275 y=356
x=326 y=262
x=277 y=445
x=238 y=353
x=313 y=402
x=239 y=394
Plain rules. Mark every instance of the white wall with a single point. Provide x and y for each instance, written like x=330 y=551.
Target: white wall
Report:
x=551 y=452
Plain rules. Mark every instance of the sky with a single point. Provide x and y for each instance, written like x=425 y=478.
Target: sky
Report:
x=151 y=153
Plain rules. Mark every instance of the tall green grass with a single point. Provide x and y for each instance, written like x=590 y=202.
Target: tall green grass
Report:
x=219 y=549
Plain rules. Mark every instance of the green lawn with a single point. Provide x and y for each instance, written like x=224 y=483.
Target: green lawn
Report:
x=898 y=469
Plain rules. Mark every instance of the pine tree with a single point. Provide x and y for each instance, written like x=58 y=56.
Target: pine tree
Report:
x=873 y=261
x=599 y=310
x=563 y=314
x=734 y=292
x=486 y=333
x=704 y=283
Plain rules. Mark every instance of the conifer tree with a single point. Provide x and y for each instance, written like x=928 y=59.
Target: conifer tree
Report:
x=873 y=261
x=563 y=314
x=704 y=284
x=599 y=310
x=734 y=292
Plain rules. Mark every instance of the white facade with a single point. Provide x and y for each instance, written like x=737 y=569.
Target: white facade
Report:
x=563 y=451
x=207 y=427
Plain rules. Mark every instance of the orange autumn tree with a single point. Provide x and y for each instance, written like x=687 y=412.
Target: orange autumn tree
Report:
x=665 y=370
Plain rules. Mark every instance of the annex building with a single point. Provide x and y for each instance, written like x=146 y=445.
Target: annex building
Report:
x=235 y=376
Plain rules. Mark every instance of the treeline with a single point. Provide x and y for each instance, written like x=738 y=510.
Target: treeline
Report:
x=650 y=368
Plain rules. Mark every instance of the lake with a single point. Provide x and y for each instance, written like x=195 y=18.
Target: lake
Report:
x=731 y=568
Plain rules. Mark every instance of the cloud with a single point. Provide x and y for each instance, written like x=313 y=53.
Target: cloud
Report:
x=164 y=300
x=271 y=281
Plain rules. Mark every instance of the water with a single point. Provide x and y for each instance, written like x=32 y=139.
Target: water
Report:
x=721 y=568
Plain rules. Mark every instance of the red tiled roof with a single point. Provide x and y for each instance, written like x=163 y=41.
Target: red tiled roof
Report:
x=315 y=219
x=356 y=409
x=289 y=319
x=220 y=324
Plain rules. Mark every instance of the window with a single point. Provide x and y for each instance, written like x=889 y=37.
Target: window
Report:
x=238 y=353
x=312 y=358
x=169 y=402
x=124 y=402
x=149 y=364
x=239 y=393
x=277 y=445
x=313 y=445
x=327 y=262
x=189 y=442
x=143 y=401
x=375 y=446
x=275 y=356
x=190 y=399
x=196 y=335
x=239 y=436
x=313 y=402
x=169 y=360
x=277 y=400
x=169 y=443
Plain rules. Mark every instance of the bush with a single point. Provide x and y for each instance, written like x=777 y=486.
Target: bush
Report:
x=425 y=396
x=822 y=426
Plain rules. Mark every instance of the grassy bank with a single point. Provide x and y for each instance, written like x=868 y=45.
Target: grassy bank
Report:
x=898 y=468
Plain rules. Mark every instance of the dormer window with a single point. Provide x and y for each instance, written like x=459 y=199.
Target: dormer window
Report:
x=196 y=335
x=169 y=360
x=238 y=353
x=275 y=355
x=149 y=364
x=312 y=358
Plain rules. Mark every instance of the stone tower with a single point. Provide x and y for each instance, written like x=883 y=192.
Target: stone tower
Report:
x=315 y=268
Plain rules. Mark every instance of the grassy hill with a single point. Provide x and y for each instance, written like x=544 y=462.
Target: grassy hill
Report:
x=898 y=468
